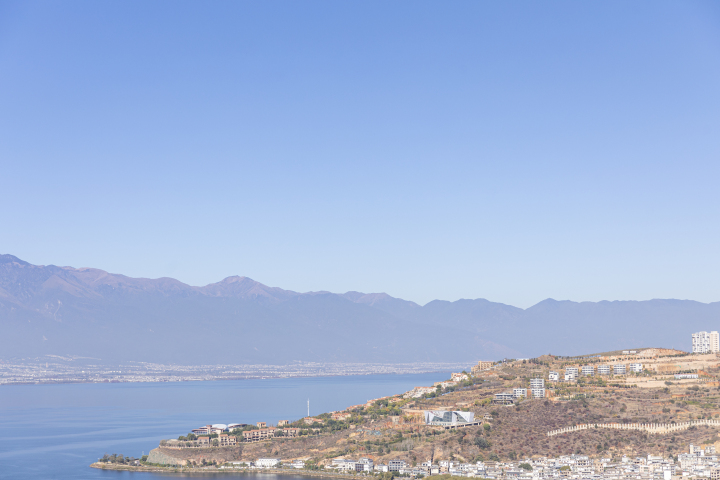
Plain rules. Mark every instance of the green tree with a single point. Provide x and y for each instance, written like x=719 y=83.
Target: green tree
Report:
x=482 y=442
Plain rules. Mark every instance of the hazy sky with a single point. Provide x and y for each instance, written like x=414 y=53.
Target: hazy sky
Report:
x=512 y=151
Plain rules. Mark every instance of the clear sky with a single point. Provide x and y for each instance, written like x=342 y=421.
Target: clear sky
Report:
x=512 y=151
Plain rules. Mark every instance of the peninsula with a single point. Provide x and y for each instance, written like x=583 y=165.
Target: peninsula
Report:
x=551 y=414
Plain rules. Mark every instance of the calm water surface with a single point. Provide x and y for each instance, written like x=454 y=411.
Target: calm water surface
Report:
x=56 y=431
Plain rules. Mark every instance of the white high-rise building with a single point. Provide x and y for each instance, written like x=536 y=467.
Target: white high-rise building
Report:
x=706 y=342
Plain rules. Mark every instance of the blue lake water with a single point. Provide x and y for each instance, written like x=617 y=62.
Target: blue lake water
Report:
x=56 y=431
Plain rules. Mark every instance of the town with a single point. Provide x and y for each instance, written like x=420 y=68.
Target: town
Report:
x=698 y=462
x=54 y=369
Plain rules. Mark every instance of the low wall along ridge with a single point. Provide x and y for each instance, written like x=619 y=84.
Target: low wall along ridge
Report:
x=646 y=427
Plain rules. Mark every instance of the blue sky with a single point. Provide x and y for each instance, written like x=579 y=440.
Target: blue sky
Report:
x=512 y=151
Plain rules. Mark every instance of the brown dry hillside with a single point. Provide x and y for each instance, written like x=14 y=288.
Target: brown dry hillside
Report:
x=391 y=428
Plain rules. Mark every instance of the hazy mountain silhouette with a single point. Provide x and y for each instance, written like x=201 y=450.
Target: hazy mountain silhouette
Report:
x=93 y=313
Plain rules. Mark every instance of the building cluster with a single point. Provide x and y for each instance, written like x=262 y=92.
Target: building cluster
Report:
x=269 y=432
x=536 y=390
x=706 y=342
x=481 y=366
x=455 y=379
x=699 y=463
x=572 y=373
x=367 y=465
x=345 y=465
x=262 y=432
x=218 y=428
x=262 y=463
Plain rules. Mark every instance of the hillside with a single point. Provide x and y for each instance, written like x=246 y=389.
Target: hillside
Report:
x=392 y=428
x=92 y=313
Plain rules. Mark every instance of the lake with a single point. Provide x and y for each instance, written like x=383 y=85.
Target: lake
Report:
x=56 y=431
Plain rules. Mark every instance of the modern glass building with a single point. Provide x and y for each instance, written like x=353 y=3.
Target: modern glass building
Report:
x=442 y=417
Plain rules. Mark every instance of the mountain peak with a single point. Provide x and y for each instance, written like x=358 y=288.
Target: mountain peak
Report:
x=7 y=258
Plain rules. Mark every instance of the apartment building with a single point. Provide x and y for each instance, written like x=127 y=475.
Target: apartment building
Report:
x=537 y=383
x=554 y=376
x=603 y=369
x=636 y=367
x=206 y=430
x=706 y=342
x=504 y=397
x=226 y=440
x=588 y=370
x=519 y=392
x=481 y=366
x=538 y=392
x=364 y=465
x=573 y=371
x=396 y=465
x=261 y=424
x=282 y=423
x=619 y=369
x=260 y=434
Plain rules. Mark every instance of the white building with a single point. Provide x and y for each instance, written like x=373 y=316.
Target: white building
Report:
x=636 y=367
x=267 y=462
x=706 y=342
x=396 y=465
x=603 y=369
x=504 y=397
x=619 y=369
x=538 y=392
x=519 y=392
x=554 y=376
x=572 y=370
x=570 y=376
x=537 y=383
x=364 y=465
x=588 y=370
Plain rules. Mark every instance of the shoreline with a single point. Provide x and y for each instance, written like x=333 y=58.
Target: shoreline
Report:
x=210 y=377
x=223 y=471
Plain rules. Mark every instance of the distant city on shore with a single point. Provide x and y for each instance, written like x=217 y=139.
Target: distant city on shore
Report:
x=82 y=370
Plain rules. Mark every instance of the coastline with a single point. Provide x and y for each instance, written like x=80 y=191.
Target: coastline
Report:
x=36 y=374
x=223 y=471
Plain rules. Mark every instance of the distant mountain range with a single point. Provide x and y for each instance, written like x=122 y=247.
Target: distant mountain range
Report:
x=92 y=313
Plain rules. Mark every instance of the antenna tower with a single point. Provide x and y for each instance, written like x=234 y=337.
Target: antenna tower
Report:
x=308 y=407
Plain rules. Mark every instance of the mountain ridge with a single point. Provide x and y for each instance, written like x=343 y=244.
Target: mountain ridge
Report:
x=91 y=312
